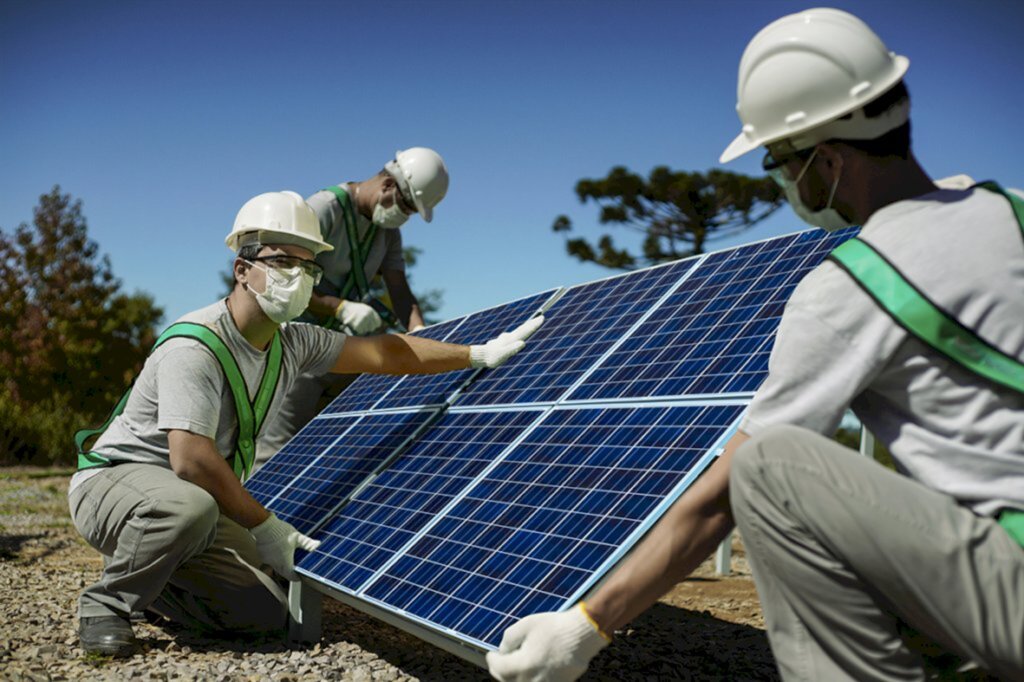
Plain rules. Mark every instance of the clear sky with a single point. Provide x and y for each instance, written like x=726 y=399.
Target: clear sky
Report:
x=165 y=117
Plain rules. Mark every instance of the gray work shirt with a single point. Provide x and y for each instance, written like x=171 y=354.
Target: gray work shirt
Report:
x=385 y=251
x=182 y=386
x=945 y=426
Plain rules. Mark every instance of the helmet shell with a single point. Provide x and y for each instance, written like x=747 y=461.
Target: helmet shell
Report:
x=277 y=218
x=805 y=70
x=421 y=175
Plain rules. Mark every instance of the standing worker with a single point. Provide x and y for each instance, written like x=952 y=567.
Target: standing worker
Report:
x=361 y=220
x=917 y=326
x=160 y=493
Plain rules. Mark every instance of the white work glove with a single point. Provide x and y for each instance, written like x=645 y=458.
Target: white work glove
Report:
x=498 y=350
x=547 y=646
x=276 y=541
x=359 y=317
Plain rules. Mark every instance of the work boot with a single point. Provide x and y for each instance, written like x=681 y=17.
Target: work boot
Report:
x=108 y=635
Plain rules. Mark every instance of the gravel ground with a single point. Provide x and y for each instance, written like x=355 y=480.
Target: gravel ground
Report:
x=708 y=628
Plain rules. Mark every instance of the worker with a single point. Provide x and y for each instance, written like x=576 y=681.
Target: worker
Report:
x=915 y=325
x=361 y=220
x=160 y=493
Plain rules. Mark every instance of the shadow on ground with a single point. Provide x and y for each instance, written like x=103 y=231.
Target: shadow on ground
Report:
x=666 y=643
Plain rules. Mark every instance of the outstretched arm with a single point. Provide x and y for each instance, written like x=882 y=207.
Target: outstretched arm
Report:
x=404 y=354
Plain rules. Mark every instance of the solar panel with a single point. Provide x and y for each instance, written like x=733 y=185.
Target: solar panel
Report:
x=434 y=389
x=578 y=329
x=366 y=391
x=326 y=461
x=395 y=506
x=713 y=335
x=455 y=504
x=546 y=522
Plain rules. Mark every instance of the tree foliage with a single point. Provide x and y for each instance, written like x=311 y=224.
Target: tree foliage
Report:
x=70 y=340
x=676 y=212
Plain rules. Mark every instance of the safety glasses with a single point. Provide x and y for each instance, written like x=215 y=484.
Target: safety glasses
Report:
x=776 y=168
x=311 y=268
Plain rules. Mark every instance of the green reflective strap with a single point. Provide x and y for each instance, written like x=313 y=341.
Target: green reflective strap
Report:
x=87 y=459
x=1012 y=521
x=357 y=251
x=919 y=316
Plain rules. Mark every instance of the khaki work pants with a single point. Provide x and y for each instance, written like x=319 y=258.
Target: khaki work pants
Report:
x=167 y=548
x=849 y=556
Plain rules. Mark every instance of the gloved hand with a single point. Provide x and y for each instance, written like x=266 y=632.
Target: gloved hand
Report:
x=276 y=541
x=359 y=317
x=547 y=646
x=498 y=350
x=415 y=328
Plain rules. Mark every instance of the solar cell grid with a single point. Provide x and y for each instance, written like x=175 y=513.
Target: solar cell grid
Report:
x=366 y=391
x=713 y=334
x=336 y=456
x=388 y=513
x=539 y=528
x=578 y=329
x=432 y=389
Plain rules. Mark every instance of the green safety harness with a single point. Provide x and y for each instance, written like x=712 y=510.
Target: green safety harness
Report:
x=913 y=311
x=360 y=251
x=250 y=414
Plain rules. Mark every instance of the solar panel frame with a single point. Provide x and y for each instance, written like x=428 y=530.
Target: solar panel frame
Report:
x=770 y=298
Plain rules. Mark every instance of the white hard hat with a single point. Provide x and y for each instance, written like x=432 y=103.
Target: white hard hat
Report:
x=806 y=70
x=277 y=218
x=422 y=176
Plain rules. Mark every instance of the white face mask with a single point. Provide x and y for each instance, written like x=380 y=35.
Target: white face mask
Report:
x=392 y=217
x=286 y=293
x=827 y=218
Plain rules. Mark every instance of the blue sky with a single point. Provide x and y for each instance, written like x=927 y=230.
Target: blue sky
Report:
x=165 y=117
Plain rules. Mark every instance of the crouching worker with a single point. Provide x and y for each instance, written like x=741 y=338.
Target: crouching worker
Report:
x=160 y=493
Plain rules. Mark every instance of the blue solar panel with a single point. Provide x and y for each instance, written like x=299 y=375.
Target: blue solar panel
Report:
x=366 y=391
x=522 y=489
x=578 y=329
x=433 y=389
x=545 y=523
x=714 y=334
x=325 y=462
x=389 y=512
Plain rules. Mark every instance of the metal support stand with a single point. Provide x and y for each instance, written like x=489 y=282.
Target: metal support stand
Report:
x=305 y=613
x=723 y=556
x=867 y=442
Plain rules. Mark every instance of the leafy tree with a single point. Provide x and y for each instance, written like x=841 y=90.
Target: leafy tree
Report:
x=676 y=211
x=70 y=340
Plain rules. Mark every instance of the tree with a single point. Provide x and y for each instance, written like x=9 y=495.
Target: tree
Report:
x=70 y=340
x=676 y=211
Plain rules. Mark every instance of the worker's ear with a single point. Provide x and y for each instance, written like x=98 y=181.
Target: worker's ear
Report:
x=241 y=271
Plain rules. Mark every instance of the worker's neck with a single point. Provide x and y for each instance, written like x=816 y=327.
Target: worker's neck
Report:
x=889 y=181
x=250 y=320
x=363 y=196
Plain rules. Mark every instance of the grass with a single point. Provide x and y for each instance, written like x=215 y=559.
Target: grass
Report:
x=35 y=473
